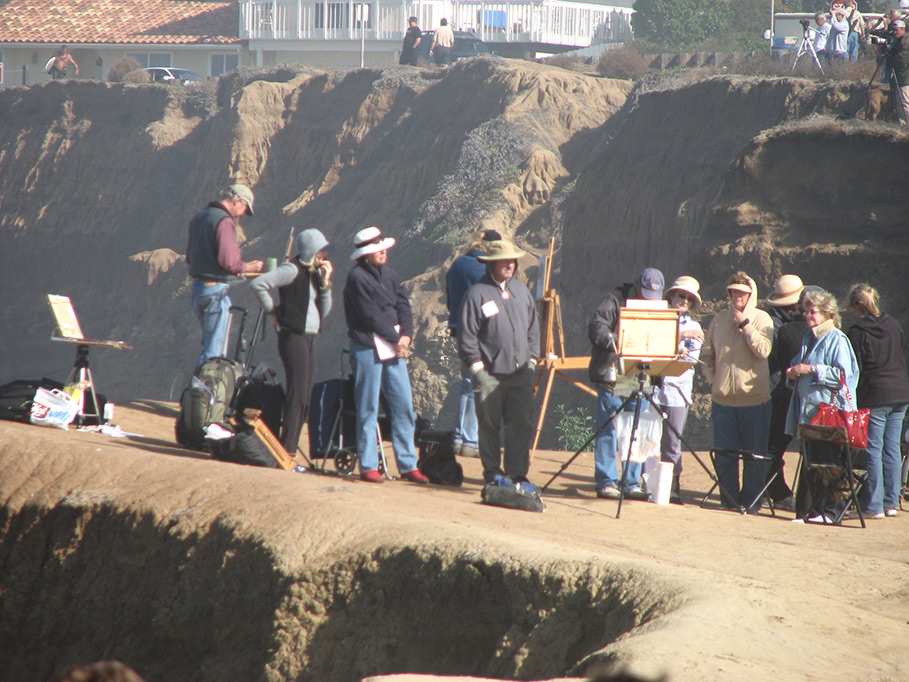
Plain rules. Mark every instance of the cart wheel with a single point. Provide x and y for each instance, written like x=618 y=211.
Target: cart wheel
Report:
x=345 y=462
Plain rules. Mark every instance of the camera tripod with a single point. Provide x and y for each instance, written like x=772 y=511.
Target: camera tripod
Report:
x=637 y=397
x=807 y=47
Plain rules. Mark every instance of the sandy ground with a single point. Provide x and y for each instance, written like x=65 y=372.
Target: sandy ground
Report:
x=765 y=598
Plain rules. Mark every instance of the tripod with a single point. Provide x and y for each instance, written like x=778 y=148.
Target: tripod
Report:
x=638 y=396
x=807 y=47
x=81 y=374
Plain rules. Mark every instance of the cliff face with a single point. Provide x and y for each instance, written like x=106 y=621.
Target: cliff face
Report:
x=99 y=182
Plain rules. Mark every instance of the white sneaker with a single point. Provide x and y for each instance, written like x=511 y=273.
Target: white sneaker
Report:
x=892 y=512
x=820 y=518
x=879 y=515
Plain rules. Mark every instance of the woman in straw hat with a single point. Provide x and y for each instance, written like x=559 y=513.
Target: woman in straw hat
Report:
x=788 y=329
x=499 y=341
x=674 y=395
x=380 y=327
x=883 y=387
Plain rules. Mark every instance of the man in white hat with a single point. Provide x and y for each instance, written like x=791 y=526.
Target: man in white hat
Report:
x=789 y=327
x=896 y=54
x=603 y=370
x=499 y=340
x=213 y=257
x=380 y=327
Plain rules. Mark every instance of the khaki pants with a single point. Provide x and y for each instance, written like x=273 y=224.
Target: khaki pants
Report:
x=508 y=402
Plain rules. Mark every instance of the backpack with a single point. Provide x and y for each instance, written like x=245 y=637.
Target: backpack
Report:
x=206 y=400
x=261 y=390
x=16 y=397
x=437 y=458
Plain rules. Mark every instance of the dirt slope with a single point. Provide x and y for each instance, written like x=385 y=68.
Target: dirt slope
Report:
x=99 y=182
x=189 y=569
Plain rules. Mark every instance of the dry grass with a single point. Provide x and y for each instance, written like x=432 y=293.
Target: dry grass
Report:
x=626 y=63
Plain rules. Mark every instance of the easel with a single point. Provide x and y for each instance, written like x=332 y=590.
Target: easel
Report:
x=69 y=330
x=253 y=418
x=553 y=360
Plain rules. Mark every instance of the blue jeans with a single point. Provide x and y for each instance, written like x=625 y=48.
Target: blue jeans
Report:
x=212 y=307
x=605 y=464
x=372 y=378
x=467 y=431
x=852 y=46
x=882 y=491
x=746 y=429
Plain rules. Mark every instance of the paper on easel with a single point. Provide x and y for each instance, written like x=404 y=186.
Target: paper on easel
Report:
x=385 y=350
x=65 y=316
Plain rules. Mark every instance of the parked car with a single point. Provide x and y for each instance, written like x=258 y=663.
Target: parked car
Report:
x=466 y=45
x=172 y=74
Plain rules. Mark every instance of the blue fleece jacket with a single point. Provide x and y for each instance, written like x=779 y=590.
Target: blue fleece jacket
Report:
x=464 y=273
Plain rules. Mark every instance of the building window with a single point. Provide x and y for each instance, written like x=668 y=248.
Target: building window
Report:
x=338 y=15
x=148 y=59
x=222 y=63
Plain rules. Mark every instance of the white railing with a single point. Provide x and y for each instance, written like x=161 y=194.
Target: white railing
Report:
x=555 y=22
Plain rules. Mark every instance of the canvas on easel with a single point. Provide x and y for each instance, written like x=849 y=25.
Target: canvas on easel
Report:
x=68 y=330
x=650 y=337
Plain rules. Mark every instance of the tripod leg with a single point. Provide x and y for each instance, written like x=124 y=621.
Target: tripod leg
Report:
x=91 y=387
x=590 y=440
x=666 y=422
x=550 y=375
x=634 y=431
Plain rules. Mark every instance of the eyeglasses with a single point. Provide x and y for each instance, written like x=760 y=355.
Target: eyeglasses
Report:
x=682 y=298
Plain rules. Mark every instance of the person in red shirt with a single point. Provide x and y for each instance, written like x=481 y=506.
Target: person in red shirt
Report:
x=214 y=262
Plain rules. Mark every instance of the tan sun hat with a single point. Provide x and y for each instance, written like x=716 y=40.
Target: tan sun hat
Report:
x=501 y=249
x=687 y=284
x=786 y=291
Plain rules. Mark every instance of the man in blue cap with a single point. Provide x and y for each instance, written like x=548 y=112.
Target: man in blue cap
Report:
x=603 y=370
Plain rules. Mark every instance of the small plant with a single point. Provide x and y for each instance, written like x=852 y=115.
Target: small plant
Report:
x=124 y=72
x=625 y=62
x=574 y=427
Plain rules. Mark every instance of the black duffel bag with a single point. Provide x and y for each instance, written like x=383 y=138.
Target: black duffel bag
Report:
x=437 y=457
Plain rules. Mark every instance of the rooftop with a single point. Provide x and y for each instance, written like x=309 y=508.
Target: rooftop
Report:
x=165 y=22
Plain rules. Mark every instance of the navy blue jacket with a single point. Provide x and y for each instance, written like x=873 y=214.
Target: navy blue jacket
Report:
x=374 y=302
x=464 y=273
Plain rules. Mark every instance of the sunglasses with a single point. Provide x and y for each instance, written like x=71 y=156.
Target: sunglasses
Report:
x=691 y=300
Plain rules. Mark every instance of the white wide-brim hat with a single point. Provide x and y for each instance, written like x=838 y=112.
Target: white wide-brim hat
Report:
x=687 y=284
x=370 y=240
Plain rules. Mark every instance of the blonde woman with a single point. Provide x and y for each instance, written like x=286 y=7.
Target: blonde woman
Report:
x=883 y=388
x=817 y=374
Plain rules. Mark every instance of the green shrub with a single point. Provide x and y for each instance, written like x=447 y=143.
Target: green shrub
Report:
x=574 y=427
x=123 y=70
x=626 y=62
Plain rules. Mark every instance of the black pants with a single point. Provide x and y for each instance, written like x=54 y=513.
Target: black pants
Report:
x=815 y=494
x=442 y=55
x=779 y=441
x=296 y=351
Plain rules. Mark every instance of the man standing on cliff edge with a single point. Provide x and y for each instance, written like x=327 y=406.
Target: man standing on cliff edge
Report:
x=213 y=257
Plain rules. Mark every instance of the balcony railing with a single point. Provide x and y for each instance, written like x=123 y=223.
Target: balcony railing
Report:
x=555 y=22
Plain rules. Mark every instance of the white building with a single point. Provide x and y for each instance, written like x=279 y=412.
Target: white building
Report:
x=332 y=32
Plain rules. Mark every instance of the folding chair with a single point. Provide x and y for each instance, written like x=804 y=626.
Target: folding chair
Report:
x=904 y=488
x=746 y=456
x=836 y=461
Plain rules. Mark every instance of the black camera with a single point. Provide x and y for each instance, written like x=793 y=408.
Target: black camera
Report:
x=804 y=23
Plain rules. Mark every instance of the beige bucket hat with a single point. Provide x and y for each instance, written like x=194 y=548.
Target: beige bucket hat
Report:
x=689 y=285
x=501 y=249
x=786 y=291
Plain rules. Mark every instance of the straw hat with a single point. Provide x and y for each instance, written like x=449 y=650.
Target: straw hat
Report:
x=687 y=284
x=501 y=249
x=786 y=291
x=370 y=240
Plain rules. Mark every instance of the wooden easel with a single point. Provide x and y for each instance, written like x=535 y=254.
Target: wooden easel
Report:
x=553 y=361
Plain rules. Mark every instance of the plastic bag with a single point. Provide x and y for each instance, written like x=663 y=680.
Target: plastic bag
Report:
x=648 y=437
x=53 y=408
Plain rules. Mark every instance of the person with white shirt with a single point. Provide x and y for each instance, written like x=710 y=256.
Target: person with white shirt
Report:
x=821 y=35
x=442 y=43
x=674 y=393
